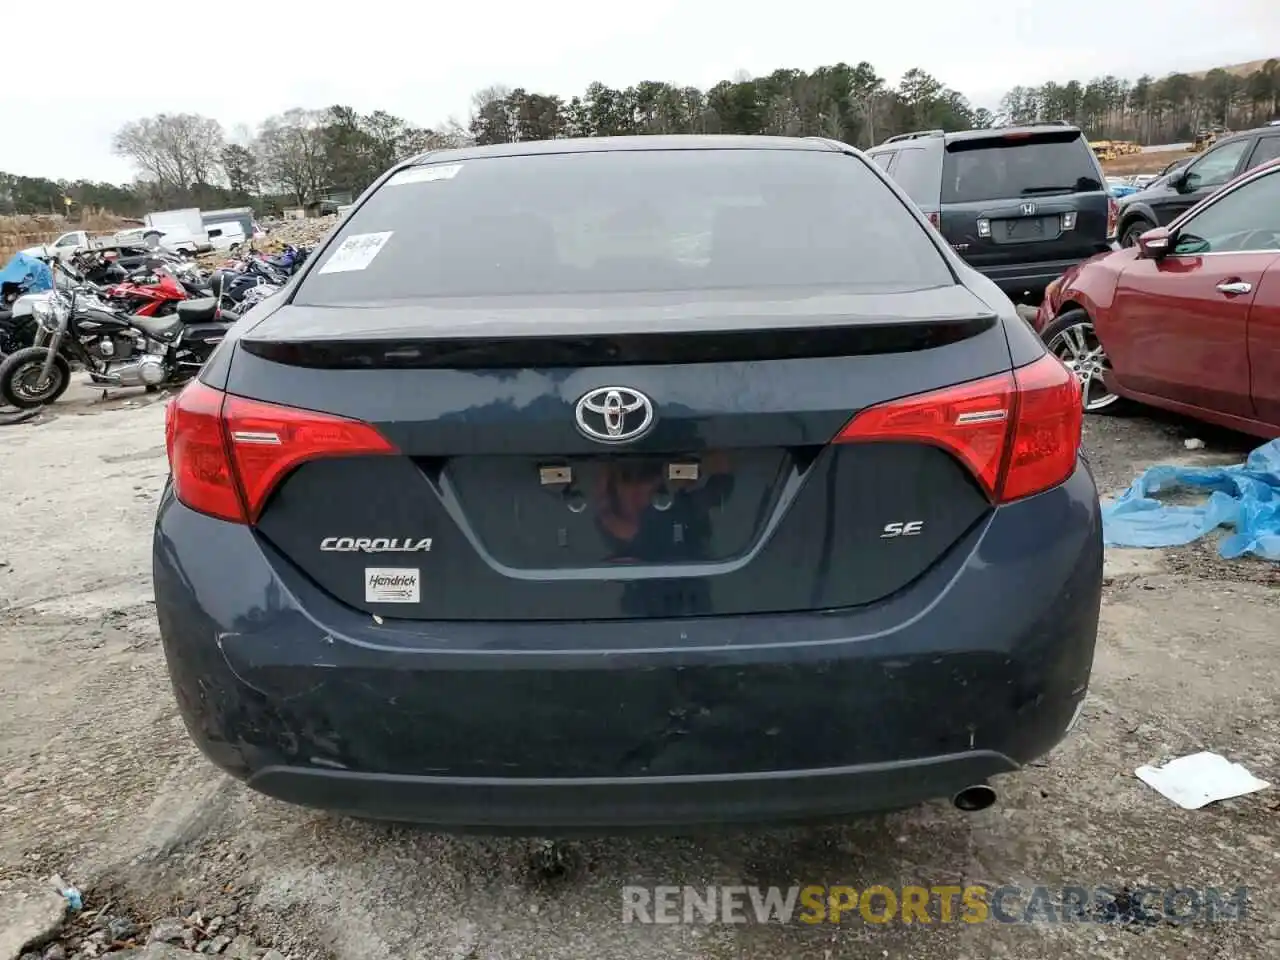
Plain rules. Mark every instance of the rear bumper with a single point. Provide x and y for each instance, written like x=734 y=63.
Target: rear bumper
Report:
x=1028 y=280
x=973 y=670
x=628 y=802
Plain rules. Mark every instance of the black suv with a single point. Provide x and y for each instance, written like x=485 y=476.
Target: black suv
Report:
x=1165 y=199
x=1020 y=204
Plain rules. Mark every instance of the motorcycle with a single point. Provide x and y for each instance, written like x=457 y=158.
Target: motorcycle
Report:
x=17 y=325
x=22 y=275
x=149 y=294
x=289 y=260
x=117 y=349
x=118 y=264
x=241 y=287
x=17 y=330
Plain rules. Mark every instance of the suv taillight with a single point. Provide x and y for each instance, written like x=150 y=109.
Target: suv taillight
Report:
x=1018 y=433
x=227 y=454
x=1113 y=217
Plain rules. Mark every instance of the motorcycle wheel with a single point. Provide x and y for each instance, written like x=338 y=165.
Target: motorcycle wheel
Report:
x=20 y=378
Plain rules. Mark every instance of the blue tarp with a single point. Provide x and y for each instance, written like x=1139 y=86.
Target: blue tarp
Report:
x=1246 y=497
x=33 y=275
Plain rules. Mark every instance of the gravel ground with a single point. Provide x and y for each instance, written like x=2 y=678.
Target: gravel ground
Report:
x=101 y=785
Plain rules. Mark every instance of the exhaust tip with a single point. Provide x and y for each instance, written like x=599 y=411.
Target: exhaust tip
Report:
x=975 y=798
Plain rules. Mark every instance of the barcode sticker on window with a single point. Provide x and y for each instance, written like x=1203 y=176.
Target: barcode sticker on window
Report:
x=356 y=252
x=424 y=174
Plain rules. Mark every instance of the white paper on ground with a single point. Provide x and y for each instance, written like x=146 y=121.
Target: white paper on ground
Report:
x=1199 y=779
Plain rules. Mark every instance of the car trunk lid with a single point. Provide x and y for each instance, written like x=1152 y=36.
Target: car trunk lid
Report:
x=500 y=502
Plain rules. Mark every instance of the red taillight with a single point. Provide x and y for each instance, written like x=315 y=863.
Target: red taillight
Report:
x=1113 y=217
x=227 y=453
x=198 y=457
x=1046 y=432
x=1018 y=433
x=971 y=421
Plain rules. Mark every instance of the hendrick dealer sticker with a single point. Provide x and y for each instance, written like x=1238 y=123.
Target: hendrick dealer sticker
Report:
x=392 y=585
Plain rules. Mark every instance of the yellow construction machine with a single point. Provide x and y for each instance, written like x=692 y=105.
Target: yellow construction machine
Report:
x=1104 y=150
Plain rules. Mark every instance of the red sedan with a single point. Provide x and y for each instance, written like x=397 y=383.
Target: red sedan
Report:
x=1187 y=320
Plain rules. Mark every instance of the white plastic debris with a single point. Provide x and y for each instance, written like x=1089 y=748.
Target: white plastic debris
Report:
x=1199 y=779
x=1193 y=443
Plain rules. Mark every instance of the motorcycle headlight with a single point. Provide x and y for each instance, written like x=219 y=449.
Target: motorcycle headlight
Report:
x=44 y=312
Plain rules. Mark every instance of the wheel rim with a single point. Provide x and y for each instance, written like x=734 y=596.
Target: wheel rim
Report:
x=1078 y=347
x=28 y=385
x=1130 y=238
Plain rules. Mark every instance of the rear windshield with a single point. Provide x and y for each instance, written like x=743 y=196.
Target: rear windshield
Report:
x=1002 y=168
x=625 y=221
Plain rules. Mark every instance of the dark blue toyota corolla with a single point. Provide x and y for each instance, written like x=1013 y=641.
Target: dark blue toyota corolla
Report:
x=648 y=482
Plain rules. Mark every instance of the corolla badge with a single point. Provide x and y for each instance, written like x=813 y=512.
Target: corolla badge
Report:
x=614 y=414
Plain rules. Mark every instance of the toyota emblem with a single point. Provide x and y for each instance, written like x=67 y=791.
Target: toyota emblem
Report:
x=614 y=414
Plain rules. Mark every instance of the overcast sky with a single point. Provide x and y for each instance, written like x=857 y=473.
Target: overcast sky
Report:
x=422 y=61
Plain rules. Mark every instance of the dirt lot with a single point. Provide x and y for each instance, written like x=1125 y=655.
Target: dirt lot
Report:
x=1152 y=162
x=17 y=232
x=102 y=786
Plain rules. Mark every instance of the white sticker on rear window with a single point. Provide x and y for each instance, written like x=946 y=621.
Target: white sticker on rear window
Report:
x=424 y=174
x=392 y=585
x=356 y=252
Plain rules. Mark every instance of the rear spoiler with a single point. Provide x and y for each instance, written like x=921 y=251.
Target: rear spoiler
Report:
x=617 y=349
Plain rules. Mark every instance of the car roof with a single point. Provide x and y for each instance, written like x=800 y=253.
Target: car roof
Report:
x=922 y=138
x=630 y=144
x=1241 y=135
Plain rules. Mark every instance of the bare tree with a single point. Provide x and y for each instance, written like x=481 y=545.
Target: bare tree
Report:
x=452 y=133
x=175 y=151
x=291 y=153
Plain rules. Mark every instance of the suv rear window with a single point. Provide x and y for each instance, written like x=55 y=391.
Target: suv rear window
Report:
x=625 y=221
x=1018 y=165
x=917 y=174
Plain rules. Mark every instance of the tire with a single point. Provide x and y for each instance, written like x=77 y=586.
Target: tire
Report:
x=1071 y=339
x=1133 y=230
x=22 y=368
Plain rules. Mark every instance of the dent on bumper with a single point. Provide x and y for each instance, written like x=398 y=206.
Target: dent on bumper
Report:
x=975 y=669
